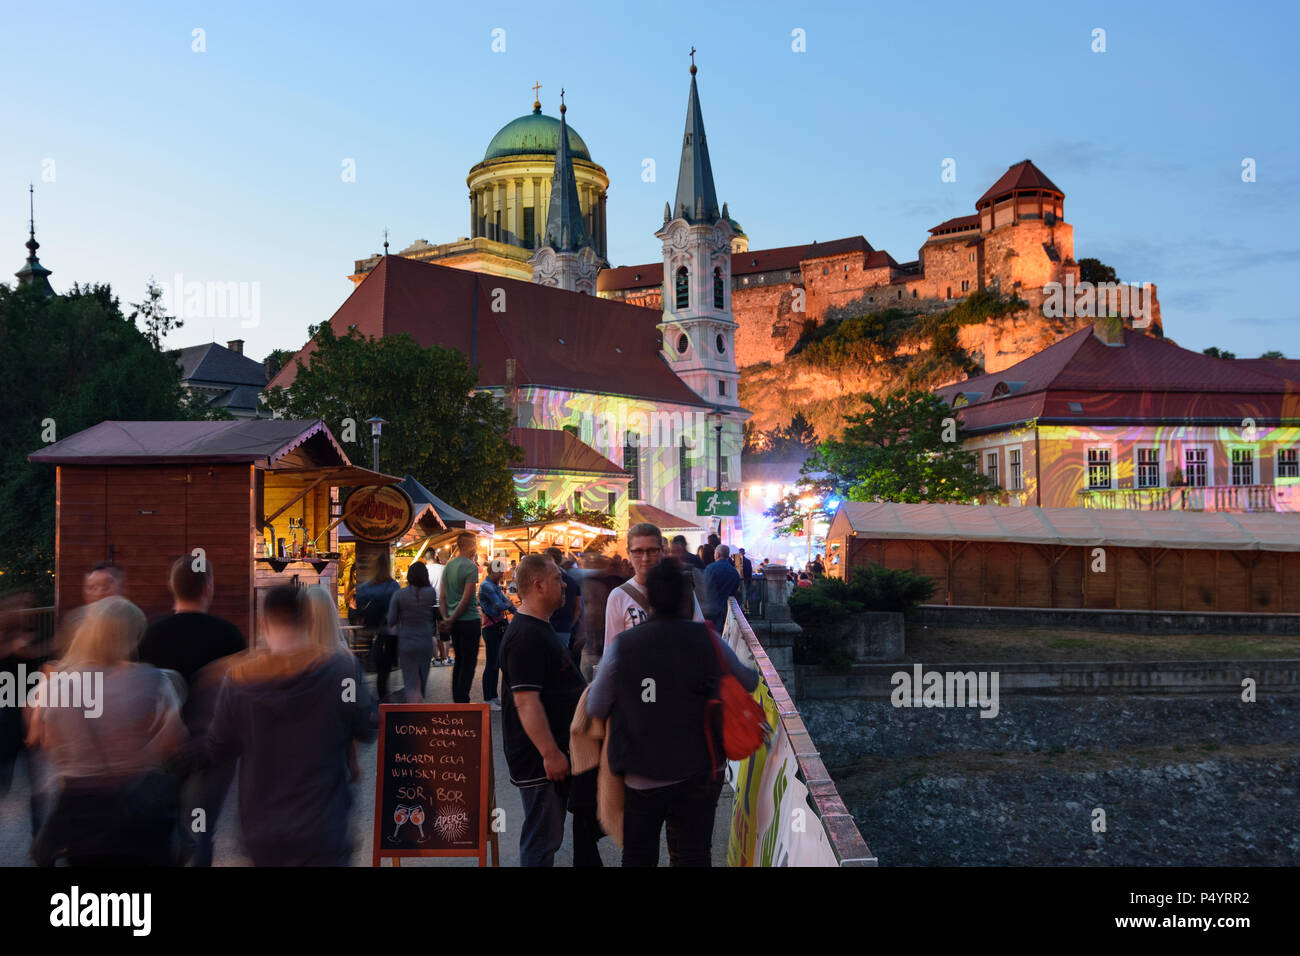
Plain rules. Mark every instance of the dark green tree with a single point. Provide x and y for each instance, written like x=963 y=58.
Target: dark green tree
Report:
x=1094 y=270
x=902 y=447
x=157 y=323
x=450 y=437
x=70 y=361
x=1216 y=352
x=278 y=358
x=1272 y=354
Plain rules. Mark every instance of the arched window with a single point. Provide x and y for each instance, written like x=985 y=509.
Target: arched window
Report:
x=683 y=289
x=717 y=288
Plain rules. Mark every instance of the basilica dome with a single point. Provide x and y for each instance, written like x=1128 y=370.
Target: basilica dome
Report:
x=533 y=133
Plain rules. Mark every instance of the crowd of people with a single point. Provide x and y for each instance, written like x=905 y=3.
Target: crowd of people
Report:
x=569 y=641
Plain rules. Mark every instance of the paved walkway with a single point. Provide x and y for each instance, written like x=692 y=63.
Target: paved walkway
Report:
x=15 y=831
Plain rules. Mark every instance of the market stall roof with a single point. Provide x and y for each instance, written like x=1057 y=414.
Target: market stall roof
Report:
x=1079 y=527
x=664 y=520
x=567 y=532
x=449 y=516
x=281 y=445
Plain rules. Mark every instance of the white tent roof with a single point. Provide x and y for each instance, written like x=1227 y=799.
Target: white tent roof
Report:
x=1082 y=527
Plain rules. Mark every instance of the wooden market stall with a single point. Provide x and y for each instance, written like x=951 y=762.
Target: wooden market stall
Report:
x=996 y=556
x=140 y=494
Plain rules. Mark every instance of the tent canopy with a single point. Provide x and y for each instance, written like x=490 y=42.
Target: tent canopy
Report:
x=1079 y=527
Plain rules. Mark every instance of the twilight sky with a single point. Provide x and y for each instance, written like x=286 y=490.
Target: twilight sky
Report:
x=151 y=159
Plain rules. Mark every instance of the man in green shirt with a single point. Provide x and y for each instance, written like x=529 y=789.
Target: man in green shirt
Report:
x=458 y=597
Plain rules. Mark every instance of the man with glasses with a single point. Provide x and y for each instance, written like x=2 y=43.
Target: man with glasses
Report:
x=628 y=604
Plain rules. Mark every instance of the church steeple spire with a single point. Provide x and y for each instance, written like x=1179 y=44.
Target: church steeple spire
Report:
x=33 y=273
x=566 y=258
x=697 y=200
x=565 y=229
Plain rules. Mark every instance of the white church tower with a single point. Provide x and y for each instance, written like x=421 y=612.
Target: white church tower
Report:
x=699 y=333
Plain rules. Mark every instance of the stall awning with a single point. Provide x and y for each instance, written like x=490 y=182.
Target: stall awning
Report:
x=568 y=534
x=664 y=520
x=1078 y=527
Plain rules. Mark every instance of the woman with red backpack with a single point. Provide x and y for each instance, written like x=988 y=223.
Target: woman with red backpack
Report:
x=666 y=686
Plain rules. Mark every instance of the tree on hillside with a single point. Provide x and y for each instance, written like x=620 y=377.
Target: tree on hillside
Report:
x=1094 y=270
x=1272 y=354
x=71 y=361
x=797 y=437
x=450 y=437
x=1215 y=352
x=903 y=447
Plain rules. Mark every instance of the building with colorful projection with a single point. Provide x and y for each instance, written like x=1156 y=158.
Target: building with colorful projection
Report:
x=618 y=408
x=1111 y=418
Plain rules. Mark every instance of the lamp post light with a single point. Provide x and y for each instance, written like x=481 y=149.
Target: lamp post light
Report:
x=376 y=428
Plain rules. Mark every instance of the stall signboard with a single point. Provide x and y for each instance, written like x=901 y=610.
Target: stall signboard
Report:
x=378 y=514
x=434 y=788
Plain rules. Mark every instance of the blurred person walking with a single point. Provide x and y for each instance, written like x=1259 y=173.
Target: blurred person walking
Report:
x=668 y=746
x=566 y=618
x=374 y=596
x=290 y=713
x=411 y=613
x=115 y=802
x=197 y=645
x=601 y=579
x=458 y=597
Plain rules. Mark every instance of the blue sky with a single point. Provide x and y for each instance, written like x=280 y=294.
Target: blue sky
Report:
x=225 y=165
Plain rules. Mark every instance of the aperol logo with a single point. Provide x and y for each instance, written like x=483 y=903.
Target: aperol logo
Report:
x=379 y=513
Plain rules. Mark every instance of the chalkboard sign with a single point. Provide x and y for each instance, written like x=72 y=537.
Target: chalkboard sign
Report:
x=433 y=785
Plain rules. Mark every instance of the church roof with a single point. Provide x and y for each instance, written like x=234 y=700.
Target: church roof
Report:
x=214 y=364
x=1023 y=175
x=549 y=449
x=33 y=273
x=697 y=200
x=565 y=229
x=558 y=339
x=533 y=133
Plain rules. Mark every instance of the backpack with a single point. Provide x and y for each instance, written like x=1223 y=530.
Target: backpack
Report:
x=744 y=724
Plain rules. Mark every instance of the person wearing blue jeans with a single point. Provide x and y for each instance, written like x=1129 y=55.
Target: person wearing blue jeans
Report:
x=543 y=687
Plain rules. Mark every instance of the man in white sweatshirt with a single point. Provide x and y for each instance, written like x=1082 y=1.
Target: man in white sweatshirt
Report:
x=628 y=605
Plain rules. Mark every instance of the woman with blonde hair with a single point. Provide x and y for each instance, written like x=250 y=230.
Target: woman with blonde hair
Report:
x=323 y=630
x=114 y=800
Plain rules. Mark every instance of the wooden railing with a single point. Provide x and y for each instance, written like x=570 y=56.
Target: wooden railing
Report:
x=1238 y=498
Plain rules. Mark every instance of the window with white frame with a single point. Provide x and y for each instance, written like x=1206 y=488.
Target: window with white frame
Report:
x=991 y=467
x=1196 y=467
x=1099 y=468
x=1288 y=463
x=1148 y=467
x=1015 y=480
x=1243 y=466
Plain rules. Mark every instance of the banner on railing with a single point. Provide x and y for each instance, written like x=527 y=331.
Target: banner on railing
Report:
x=772 y=822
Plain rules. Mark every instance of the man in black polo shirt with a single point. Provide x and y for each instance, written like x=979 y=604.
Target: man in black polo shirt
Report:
x=544 y=687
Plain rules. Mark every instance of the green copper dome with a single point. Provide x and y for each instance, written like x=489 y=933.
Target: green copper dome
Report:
x=533 y=133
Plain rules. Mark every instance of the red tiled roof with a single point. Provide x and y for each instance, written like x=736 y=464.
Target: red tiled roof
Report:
x=1288 y=369
x=787 y=258
x=547 y=449
x=663 y=520
x=1023 y=175
x=958 y=222
x=558 y=339
x=1147 y=379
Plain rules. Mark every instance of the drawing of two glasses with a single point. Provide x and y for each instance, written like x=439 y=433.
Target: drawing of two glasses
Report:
x=408 y=813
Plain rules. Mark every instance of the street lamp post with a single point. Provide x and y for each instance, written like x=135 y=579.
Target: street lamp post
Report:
x=376 y=427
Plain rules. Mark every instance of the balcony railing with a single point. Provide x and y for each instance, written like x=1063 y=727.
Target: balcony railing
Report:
x=1238 y=498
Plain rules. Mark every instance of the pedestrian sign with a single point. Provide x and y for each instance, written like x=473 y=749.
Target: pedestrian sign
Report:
x=720 y=504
